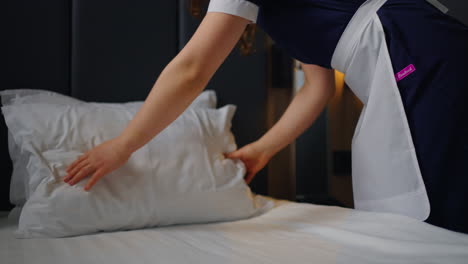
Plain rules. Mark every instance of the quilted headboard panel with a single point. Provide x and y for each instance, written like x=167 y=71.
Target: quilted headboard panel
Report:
x=120 y=47
x=35 y=51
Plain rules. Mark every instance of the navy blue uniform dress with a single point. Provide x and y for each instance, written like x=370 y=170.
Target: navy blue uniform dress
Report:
x=434 y=90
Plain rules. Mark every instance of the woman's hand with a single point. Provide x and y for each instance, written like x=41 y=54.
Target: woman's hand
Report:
x=253 y=156
x=308 y=103
x=99 y=161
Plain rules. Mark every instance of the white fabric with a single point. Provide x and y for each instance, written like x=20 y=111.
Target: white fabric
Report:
x=19 y=178
x=19 y=191
x=386 y=174
x=289 y=233
x=241 y=8
x=181 y=176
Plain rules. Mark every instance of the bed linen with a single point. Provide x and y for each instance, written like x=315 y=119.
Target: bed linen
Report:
x=285 y=232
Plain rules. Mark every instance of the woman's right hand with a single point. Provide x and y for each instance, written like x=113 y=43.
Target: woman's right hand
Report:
x=254 y=158
x=98 y=162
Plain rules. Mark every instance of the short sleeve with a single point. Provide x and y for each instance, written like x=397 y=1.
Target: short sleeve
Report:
x=242 y=8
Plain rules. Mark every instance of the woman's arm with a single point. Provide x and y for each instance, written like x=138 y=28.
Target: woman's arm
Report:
x=309 y=102
x=177 y=86
x=185 y=77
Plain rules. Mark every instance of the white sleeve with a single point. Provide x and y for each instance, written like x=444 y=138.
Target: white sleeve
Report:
x=242 y=8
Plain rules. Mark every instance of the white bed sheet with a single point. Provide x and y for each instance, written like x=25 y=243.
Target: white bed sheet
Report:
x=288 y=233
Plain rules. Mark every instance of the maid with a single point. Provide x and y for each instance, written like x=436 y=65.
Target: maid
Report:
x=407 y=62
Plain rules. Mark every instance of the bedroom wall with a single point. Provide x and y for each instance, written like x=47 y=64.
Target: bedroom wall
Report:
x=35 y=44
x=34 y=53
x=120 y=47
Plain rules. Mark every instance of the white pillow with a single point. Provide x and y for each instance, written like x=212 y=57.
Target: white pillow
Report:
x=13 y=95
x=19 y=191
x=179 y=177
x=19 y=178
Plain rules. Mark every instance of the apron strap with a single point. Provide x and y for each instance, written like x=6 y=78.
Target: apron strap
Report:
x=438 y=5
x=342 y=55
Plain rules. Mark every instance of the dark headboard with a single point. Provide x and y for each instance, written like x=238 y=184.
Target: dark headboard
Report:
x=34 y=53
x=113 y=51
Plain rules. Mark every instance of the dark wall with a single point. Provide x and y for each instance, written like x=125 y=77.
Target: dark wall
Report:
x=34 y=53
x=312 y=165
x=35 y=49
x=120 y=47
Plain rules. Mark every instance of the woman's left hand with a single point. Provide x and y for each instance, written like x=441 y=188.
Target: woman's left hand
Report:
x=254 y=158
x=98 y=162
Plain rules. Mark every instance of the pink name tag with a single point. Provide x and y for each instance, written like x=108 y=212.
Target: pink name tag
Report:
x=405 y=72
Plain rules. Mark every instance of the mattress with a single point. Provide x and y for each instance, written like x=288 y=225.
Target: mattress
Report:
x=285 y=232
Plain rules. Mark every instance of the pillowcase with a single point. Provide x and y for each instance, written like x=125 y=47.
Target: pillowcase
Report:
x=179 y=177
x=19 y=178
x=19 y=191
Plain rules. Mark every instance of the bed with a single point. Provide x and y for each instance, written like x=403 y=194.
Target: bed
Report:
x=285 y=232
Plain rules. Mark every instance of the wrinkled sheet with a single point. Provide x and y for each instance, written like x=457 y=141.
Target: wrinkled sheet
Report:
x=287 y=233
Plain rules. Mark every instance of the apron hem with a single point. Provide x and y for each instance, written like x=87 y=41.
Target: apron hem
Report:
x=390 y=204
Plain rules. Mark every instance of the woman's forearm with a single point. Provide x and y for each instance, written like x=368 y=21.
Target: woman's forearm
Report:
x=306 y=106
x=184 y=78
x=177 y=86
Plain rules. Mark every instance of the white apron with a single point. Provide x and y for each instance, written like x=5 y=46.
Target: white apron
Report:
x=385 y=170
